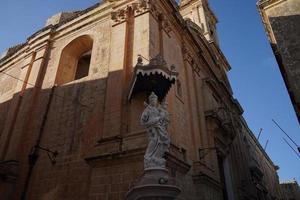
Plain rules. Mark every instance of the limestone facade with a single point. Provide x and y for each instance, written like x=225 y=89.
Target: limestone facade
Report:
x=281 y=19
x=66 y=89
x=290 y=189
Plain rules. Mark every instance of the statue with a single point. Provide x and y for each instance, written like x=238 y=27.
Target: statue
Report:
x=155 y=182
x=156 y=119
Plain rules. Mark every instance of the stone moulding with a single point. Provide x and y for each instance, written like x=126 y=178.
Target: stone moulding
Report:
x=154 y=77
x=115 y=155
x=8 y=170
x=179 y=165
x=153 y=192
x=172 y=161
x=223 y=119
x=109 y=139
x=194 y=26
x=155 y=184
x=121 y=15
x=202 y=178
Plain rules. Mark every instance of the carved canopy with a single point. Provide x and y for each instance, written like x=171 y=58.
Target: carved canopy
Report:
x=154 y=77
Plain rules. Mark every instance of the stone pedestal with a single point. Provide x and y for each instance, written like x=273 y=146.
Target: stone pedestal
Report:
x=155 y=184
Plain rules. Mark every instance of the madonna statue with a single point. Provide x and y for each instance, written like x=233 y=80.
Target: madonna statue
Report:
x=156 y=120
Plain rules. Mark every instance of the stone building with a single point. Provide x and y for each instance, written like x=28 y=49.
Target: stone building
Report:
x=72 y=95
x=281 y=19
x=290 y=190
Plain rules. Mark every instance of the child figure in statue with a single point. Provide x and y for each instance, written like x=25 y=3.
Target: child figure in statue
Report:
x=164 y=121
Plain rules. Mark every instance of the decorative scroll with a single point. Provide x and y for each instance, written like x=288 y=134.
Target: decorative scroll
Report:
x=140 y=8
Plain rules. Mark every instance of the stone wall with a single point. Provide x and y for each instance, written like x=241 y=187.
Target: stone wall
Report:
x=281 y=19
x=290 y=189
x=95 y=128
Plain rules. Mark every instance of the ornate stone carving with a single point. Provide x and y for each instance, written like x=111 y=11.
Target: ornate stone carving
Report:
x=166 y=26
x=138 y=8
x=196 y=69
x=142 y=7
x=154 y=11
x=159 y=16
x=155 y=77
x=156 y=120
x=158 y=60
x=223 y=117
x=119 y=15
x=188 y=57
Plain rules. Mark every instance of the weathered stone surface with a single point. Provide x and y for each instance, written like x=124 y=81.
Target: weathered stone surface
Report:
x=96 y=130
x=60 y=17
x=290 y=189
x=282 y=23
x=155 y=184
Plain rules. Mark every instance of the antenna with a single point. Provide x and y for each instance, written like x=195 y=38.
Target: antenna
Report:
x=266 y=145
x=291 y=147
x=287 y=135
x=260 y=130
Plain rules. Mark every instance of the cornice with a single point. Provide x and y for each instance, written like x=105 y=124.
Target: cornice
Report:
x=264 y=3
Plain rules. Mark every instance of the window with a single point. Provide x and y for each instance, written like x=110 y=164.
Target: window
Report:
x=75 y=60
x=83 y=66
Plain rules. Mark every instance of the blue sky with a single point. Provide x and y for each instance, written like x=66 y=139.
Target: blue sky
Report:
x=255 y=77
x=257 y=82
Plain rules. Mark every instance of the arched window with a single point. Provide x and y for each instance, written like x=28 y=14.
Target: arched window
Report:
x=75 y=60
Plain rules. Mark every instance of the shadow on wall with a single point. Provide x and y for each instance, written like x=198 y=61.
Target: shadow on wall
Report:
x=286 y=30
x=67 y=118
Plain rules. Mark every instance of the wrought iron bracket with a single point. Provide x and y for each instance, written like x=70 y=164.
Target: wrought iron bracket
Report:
x=34 y=155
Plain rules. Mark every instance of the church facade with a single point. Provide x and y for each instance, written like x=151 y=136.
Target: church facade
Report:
x=72 y=95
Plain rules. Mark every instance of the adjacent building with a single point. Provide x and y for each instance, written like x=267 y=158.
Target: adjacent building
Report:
x=290 y=189
x=281 y=19
x=72 y=95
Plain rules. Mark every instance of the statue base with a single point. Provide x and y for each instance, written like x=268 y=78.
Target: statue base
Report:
x=155 y=184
